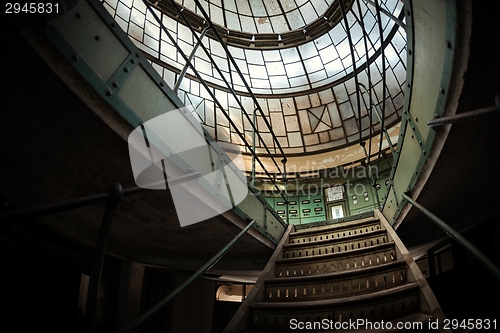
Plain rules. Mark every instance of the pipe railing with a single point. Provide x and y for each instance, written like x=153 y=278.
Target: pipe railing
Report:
x=187 y=59
x=371 y=105
x=485 y=261
x=112 y=199
x=205 y=268
x=379 y=117
x=387 y=13
x=373 y=178
x=466 y=116
x=353 y=59
x=89 y=200
x=228 y=85
x=193 y=52
x=384 y=82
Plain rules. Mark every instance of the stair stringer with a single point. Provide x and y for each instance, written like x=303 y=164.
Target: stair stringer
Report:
x=241 y=319
x=428 y=301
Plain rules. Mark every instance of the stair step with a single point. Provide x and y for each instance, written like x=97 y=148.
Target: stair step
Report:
x=356 y=225
x=339 y=273
x=385 y=304
x=338 y=261
x=342 y=244
x=334 y=285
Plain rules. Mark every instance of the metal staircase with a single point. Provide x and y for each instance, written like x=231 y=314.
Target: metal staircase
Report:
x=354 y=275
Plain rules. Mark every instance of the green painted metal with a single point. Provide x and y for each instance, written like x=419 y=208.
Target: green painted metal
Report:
x=405 y=171
x=312 y=208
x=86 y=32
x=362 y=196
x=301 y=209
x=334 y=221
x=430 y=50
x=485 y=261
x=139 y=93
x=311 y=200
x=116 y=81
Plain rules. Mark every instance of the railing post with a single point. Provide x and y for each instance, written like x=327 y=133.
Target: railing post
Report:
x=457 y=237
x=373 y=180
x=388 y=14
x=216 y=67
x=379 y=117
x=115 y=196
x=466 y=116
x=285 y=180
x=254 y=119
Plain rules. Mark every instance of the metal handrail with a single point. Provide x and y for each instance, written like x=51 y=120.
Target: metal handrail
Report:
x=233 y=92
x=388 y=14
x=145 y=316
x=369 y=76
x=466 y=116
x=457 y=237
x=353 y=59
x=379 y=116
x=112 y=199
x=212 y=95
x=384 y=90
x=240 y=74
x=193 y=52
x=89 y=200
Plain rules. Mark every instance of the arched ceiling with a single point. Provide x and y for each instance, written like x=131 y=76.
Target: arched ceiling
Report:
x=306 y=88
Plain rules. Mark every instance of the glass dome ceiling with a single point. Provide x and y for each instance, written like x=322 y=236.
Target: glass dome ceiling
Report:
x=295 y=56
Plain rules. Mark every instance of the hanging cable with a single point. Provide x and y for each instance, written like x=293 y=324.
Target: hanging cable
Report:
x=382 y=54
x=353 y=59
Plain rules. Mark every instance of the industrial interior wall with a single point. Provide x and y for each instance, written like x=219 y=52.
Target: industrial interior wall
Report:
x=308 y=202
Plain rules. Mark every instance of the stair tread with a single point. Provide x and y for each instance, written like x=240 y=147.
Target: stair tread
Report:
x=321 y=257
x=334 y=227
x=353 y=272
x=335 y=240
x=408 y=287
x=338 y=282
